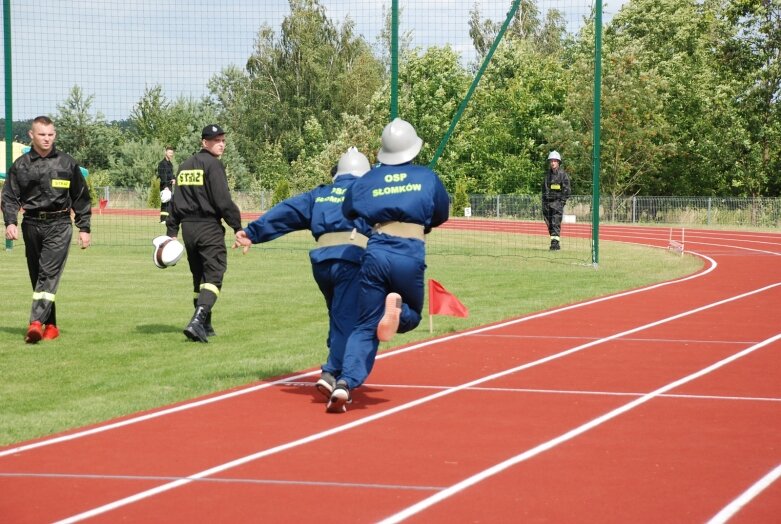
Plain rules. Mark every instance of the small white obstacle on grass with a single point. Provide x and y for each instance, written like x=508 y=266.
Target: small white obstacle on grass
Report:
x=467 y=211
x=676 y=246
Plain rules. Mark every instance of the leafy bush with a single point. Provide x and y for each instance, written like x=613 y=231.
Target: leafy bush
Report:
x=281 y=192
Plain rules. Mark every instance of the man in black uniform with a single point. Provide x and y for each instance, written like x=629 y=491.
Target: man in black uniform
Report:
x=202 y=199
x=46 y=184
x=165 y=172
x=555 y=192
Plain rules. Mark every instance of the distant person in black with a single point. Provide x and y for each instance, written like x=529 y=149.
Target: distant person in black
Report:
x=555 y=192
x=201 y=201
x=46 y=184
x=165 y=172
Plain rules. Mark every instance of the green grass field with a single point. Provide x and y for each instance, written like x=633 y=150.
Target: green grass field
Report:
x=122 y=349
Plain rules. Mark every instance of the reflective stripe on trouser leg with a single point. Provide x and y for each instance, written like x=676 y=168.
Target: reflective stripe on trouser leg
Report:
x=43 y=308
x=46 y=248
x=208 y=294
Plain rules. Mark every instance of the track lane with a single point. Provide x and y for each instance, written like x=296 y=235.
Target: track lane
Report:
x=391 y=397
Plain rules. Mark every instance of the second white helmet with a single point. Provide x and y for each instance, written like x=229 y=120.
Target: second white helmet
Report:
x=400 y=143
x=353 y=162
x=554 y=155
x=165 y=195
x=168 y=251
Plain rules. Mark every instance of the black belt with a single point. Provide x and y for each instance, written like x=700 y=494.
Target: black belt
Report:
x=47 y=215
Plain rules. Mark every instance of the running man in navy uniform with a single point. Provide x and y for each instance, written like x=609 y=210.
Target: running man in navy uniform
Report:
x=47 y=184
x=201 y=202
x=336 y=259
x=403 y=202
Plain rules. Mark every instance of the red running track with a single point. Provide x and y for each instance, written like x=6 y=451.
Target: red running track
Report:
x=656 y=405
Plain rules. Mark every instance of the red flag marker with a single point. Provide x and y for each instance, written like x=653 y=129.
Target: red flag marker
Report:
x=443 y=302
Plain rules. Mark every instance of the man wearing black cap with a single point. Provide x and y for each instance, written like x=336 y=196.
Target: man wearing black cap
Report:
x=201 y=201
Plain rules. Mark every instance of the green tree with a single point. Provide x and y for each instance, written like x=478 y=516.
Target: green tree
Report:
x=696 y=48
x=315 y=68
x=135 y=164
x=281 y=192
x=87 y=137
x=753 y=55
x=460 y=199
x=309 y=170
x=147 y=118
x=635 y=137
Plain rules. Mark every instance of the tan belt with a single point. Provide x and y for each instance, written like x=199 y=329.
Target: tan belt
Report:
x=342 y=237
x=401 y=229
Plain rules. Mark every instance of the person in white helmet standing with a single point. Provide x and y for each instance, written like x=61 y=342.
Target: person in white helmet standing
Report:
x=403 y=202
x=555 y=192
x=336 y=259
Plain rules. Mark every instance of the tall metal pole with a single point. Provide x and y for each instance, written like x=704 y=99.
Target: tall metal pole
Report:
x=394 y=52
x=9 y=117
x=9 y=132
x=597 y=124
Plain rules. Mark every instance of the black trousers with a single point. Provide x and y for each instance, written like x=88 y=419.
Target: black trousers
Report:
x=164 y=210
x=46 y=246
x=552 y=212
x=207 y=256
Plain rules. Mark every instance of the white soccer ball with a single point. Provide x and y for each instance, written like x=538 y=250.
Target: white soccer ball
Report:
x=168 y=251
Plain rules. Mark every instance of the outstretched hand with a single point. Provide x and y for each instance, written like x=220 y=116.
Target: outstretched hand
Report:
x=242 y=241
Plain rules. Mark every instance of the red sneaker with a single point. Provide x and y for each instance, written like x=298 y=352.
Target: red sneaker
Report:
x=34 y=332
x=389 y=324
x=51 y=332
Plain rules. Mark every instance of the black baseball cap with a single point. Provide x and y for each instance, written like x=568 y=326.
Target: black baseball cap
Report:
x=211 y=131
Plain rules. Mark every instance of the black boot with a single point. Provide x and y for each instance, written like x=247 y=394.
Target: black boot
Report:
x=208 y=325
x=196 y=329
x=554 y=245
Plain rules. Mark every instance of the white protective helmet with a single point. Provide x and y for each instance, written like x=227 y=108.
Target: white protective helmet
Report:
x=400 y=143
x=353 y=162
x=168 y=251
x=165 y=195
x=554 y=155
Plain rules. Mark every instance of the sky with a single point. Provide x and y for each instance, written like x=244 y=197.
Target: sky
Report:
x=116 y=50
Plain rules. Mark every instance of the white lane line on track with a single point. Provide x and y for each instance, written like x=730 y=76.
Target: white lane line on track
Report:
x=584 y=392
x=392 y=411
x=747 y=496
x=223 y=480
x=569 y=435
x=627 y=339
x=203 y=402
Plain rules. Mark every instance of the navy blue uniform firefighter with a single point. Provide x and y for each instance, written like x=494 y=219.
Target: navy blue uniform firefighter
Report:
x=337 y=257
x=201 y=202
x=403 y=202
x=47 y=185
x=555 y=192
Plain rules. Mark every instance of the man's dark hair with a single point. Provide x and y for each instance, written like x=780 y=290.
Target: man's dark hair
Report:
x=42 y=120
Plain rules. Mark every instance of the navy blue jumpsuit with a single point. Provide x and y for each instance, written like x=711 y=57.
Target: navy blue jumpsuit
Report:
x=335 y=267
x=390 y=193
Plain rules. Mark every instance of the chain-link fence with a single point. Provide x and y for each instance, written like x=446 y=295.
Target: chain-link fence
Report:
x=674 y=211
x=656 y=210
